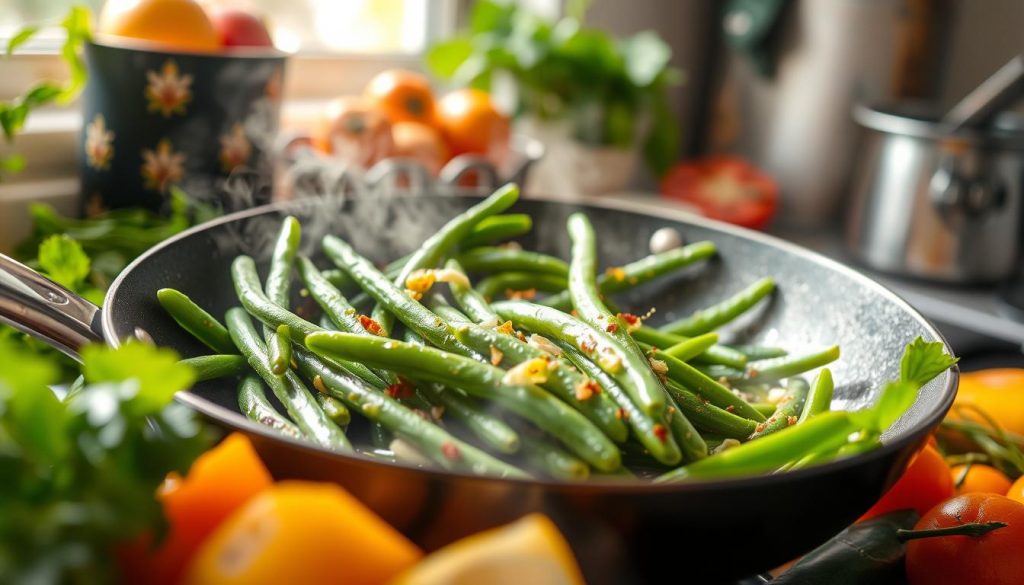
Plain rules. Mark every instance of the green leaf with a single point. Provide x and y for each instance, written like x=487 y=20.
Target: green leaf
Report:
x=923 y=360
x=488 y=16
x=79 y=31
x=36 y=419
x=157 y=370
x=20 y=38
x=23 y=370
x=444 y=59
x=646 y=57
x=64 y=261
x=896 y=399
x=661 y=150
x=12 y=163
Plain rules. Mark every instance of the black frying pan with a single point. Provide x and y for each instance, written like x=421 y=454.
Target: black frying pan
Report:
x=702 y=532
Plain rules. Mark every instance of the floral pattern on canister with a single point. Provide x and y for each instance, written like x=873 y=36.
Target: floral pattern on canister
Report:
x=99 y=144
x=168 y=92
x=235 y=149
x=162 y=167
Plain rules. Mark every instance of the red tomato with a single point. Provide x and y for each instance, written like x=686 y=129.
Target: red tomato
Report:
x=926 y=482
x=994 y=558
x=724 y=188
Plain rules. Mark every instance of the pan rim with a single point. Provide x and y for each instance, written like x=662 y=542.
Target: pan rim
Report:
x=237 y=421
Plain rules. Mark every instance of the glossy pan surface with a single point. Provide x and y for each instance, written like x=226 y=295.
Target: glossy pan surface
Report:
x=709 y=531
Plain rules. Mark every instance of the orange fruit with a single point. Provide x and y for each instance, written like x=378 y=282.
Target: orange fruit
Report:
x=422 y=143
x=925 y=483
x=403 y=96
x=172 y=24
x=1016 y=491
x=472 y=124
x=980 y=479
x=302 y=532
x=356 y=131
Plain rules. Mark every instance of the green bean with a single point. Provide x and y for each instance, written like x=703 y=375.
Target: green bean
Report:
x=791 y=365
x=480 y=379
x=485 y=426
x=253 y=403
x=335 y=410
x=765 y=408
x=647 y=391
x=490 y=230
x=433 y=441
x=496 y=228
x=716 y=354
x=715 y=393
x=333 y=303
x=279 y=349
x=597 y=348
x=827 y=431
x=787 y=410
x=720 y=372
x=195 y=320
x=209 y=367
x=563 y=381
x=641 y=271
x=410 y=312
x=434 y=248
x=501 y=283
x=642 y=424
x=276 y=289
x=708 y=417
x=496 y=259
x=693 y=347
x=247 y=287
x=469 y=300
x=759 y=352
x=820 y=397
x=552 y=460
x=292 y=394
x=721 y=313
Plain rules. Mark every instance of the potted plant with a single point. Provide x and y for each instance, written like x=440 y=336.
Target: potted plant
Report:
x=597 y=102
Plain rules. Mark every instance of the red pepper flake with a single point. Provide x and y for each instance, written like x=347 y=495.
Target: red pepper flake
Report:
x=790 y=421
x=760 y=427
x=621 y=414
x=451 y=451
x=587 y=345
x=517 y=295
x=752 y=373
x=587 y=389
x=661 y=432
x=611 y=327
x=399 y=390
x=372 y=326
x=730 y=408
x=629 y=318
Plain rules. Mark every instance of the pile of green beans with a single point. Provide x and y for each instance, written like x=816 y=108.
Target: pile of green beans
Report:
x=555 y=382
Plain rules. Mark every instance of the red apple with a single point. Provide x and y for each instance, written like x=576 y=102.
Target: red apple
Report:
x=238 y=28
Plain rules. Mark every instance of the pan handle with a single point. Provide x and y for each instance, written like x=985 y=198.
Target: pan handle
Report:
x=32 y=303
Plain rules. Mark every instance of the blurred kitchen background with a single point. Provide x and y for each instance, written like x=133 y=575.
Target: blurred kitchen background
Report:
x=814 y=120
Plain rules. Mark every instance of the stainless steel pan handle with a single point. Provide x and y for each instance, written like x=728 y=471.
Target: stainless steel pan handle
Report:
x=42 y=308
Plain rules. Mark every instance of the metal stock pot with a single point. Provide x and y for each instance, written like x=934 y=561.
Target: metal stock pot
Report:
x=934 y=204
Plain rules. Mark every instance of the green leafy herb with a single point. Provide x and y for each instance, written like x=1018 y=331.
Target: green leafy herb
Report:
x=612 y=91
x=923 y=360
x=79 y=476
x=14 y=112
x=63 y=260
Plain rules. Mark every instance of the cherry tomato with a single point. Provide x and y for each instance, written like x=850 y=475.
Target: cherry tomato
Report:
x=980 y=479
x=724 y=188
x=403 y=96
x=994 y=558
x=926 y=482
x=355 y=131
